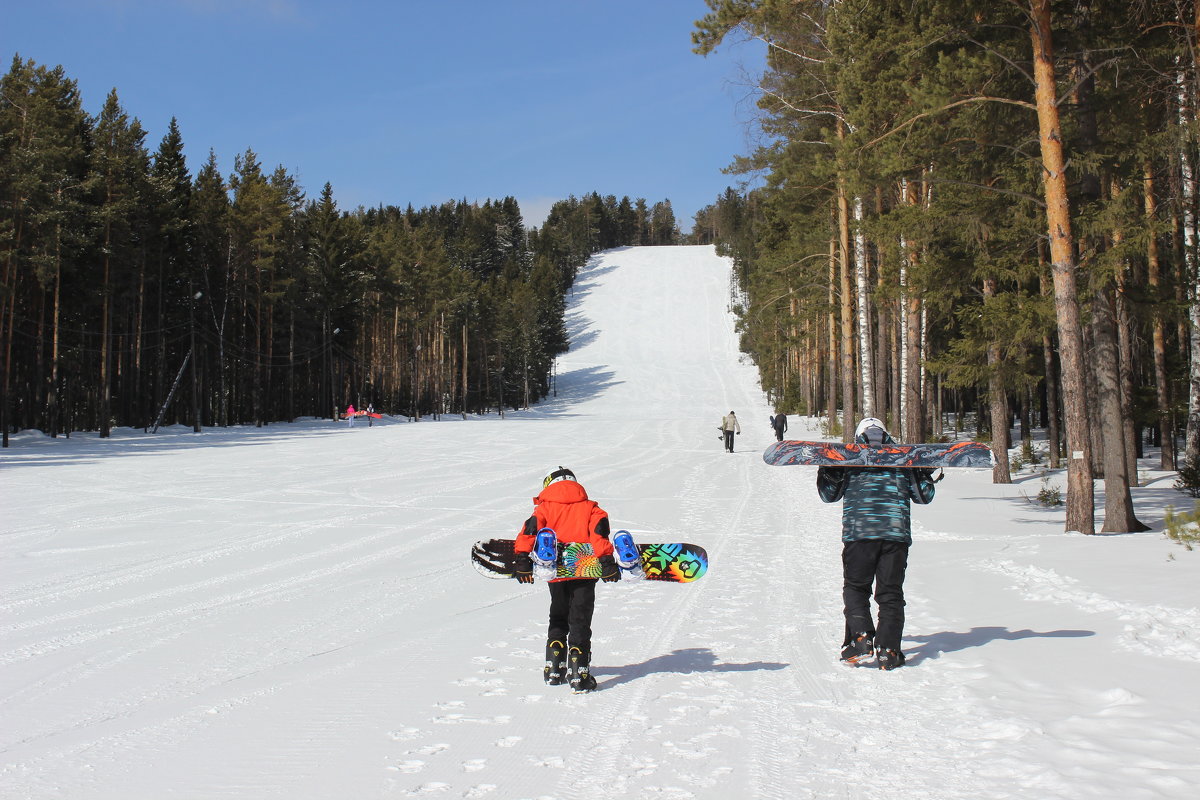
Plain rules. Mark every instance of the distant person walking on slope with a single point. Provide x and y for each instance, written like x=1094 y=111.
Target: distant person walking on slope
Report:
x=563 y=505
x=350 y=412
x=729 y=427
x=876 y=534
x=779 y=423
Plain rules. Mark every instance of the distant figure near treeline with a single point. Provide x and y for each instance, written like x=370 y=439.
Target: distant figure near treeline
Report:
x=779 y=423
x=730 y=427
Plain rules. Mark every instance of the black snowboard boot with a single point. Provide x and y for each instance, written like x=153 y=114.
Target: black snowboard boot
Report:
x=890 y=659
x=555 y=671
x=580 y=675
x=860 y=647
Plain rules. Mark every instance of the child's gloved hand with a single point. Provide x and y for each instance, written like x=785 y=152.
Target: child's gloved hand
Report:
x=523 y=566
x=609 y=572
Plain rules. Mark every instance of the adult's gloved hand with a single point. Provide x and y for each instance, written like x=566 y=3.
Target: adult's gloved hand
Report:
x=523 y=566
x=609 y=571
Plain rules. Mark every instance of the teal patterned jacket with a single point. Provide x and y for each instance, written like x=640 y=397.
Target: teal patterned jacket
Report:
x=875 y=499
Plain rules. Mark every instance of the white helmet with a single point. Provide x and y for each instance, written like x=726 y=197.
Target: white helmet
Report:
x=560 y=474
x=873 y=429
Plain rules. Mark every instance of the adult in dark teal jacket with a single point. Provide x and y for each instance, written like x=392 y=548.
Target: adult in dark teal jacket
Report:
x=876 y=534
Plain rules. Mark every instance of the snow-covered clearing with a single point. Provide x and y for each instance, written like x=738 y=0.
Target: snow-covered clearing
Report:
x=289 y=612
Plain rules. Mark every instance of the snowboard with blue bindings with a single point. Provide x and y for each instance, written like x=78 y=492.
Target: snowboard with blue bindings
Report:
x=671 y=562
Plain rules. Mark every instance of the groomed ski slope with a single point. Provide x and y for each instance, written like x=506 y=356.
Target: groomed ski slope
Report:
x=289 y=612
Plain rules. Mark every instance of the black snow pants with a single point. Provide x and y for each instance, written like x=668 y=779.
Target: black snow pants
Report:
x=571 y=606
x=729 y=441
x=883 y=563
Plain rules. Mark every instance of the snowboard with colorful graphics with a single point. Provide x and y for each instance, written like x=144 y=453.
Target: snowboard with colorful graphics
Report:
x=835 y=454
x=673 y=562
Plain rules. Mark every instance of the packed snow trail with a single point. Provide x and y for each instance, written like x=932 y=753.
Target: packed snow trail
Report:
x=289 y=612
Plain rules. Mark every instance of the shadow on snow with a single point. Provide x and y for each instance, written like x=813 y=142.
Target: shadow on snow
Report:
x=952 y=641
x=691 y=661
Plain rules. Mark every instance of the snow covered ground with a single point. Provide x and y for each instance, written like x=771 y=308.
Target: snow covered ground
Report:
x=289 y=612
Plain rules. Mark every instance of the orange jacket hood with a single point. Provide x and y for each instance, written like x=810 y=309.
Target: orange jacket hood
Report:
x=562 y=492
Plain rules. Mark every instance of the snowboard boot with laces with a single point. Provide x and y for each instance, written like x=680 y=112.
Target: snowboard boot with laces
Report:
x=581 y=679
x=860 y=648
x=555 y=671
x=890 y=659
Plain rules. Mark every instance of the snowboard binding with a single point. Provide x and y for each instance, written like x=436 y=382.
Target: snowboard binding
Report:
x=545 y=554
x=626 y=555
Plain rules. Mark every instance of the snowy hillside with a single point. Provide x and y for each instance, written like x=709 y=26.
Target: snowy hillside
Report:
x=289 y=612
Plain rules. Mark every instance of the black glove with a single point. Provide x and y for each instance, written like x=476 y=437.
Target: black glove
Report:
x=523 y=566
x=609 y=571
x=928 y=473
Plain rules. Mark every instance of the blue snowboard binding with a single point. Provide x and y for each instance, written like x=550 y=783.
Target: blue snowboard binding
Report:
x=545 y=548
x=626 y=554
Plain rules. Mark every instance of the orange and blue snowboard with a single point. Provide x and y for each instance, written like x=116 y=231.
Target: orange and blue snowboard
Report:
x=920 y=456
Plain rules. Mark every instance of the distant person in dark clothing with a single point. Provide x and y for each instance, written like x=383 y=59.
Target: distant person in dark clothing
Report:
x=876 y=534
x=779 y=423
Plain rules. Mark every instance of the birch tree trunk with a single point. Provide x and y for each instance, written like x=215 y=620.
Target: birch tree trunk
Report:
x=910 y=306
x=1080 y=511
x=865 y=349
x=847 y=305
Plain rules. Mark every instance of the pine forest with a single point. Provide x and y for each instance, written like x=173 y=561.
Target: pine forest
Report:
x=981 y=211
x=136 y=293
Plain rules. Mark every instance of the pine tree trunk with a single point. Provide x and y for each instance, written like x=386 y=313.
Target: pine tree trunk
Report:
x=997 y=399
x=1053 y=435
x=1118 y=505
x=1080 y=511
x=831 y=377
x=53 y=402
x=910 y=405
x=1189 y=95
x=1125 y=348
x=1158 y=328
x=105 y=346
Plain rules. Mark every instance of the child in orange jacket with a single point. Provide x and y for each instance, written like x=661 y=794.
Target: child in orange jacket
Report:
x=564 y=506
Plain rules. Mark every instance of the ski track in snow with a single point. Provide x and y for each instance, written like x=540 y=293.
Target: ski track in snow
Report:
x=289 y=613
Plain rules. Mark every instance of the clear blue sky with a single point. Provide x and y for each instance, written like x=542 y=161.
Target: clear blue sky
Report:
x=400 y=102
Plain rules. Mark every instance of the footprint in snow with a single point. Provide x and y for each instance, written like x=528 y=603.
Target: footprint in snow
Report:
x=409 y=767
x=480 y=789
x=508 y=741
x=474 y=764
x=406 y=734
x=429 y=750
x=455 y=719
